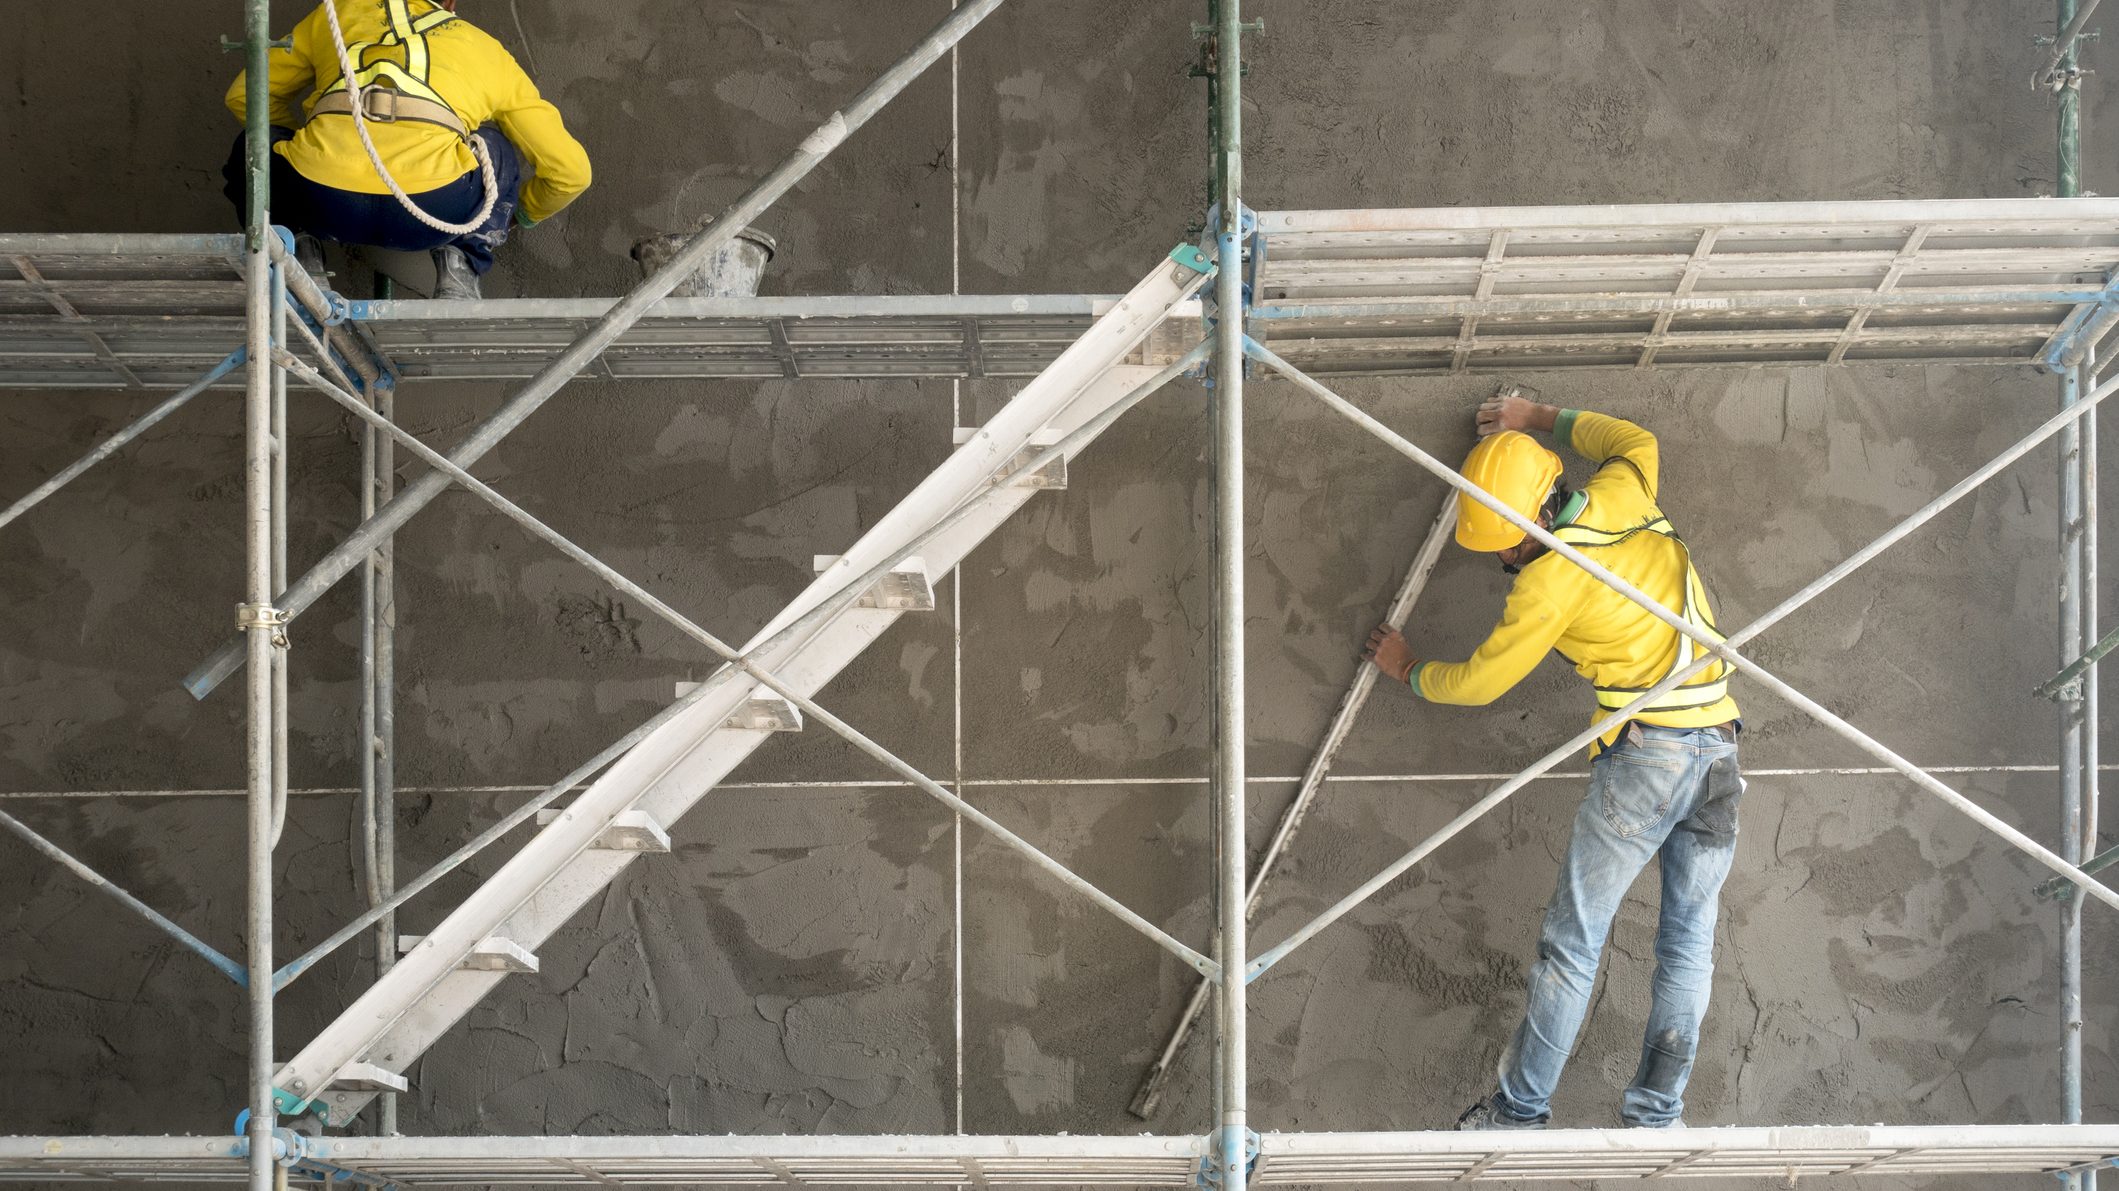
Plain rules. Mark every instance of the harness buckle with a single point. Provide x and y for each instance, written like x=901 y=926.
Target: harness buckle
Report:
x=380 y=104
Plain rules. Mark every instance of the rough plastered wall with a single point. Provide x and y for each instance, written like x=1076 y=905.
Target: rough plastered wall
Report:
x=791 y=966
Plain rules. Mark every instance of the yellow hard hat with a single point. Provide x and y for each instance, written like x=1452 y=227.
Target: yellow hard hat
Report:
x=1519 y=472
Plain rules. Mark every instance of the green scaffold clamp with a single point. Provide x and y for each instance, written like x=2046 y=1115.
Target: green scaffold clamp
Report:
x=1193 y=257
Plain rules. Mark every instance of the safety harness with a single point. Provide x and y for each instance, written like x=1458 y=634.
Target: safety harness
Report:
x=406 y=93
x=1712 y=684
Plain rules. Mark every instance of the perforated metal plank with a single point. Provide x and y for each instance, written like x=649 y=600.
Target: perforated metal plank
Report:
x=942 y=335
x=135 y=311
x=1741 y=284
x=1284 y=1158
x=1290 y=1158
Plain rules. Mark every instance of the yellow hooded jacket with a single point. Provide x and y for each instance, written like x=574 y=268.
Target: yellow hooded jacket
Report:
x=1612 y=641
x=472 y=71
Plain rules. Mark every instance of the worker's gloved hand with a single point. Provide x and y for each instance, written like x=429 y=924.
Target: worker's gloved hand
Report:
x=1387 y=648
x=522 y=218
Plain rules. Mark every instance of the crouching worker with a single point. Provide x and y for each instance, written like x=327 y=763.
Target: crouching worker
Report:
x=434 y=93
x=1664 y=783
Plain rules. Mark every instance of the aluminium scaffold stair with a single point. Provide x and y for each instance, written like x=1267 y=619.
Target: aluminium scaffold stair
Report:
x=498 y=928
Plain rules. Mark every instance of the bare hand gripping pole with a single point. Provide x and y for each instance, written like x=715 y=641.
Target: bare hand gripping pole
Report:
x=418 y=494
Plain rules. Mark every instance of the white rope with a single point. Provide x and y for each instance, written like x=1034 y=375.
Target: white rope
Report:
x=360 y=125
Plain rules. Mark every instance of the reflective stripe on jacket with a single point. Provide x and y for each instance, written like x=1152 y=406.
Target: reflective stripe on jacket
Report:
x=405 y=38
x=1555 y=605
x=463 y=66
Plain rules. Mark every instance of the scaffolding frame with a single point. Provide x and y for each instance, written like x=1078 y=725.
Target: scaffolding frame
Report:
x=1347 y=292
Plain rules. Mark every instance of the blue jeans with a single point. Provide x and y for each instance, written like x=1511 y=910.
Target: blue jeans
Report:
x=1668 y=795
x=349 y=217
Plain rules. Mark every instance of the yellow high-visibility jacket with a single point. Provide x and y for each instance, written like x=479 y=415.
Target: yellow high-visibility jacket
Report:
x=1612 y=641
x=472 y=71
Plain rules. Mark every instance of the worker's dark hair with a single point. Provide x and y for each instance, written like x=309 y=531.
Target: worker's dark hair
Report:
x=1556 y=500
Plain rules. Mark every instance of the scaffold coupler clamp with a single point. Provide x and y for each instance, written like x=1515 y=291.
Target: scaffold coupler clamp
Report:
x=2087 y=322
x=263 y=616
x=1250 y=257
x=230 y=45
x=1210 y=1162
x=290 y=1147
x=337 y=310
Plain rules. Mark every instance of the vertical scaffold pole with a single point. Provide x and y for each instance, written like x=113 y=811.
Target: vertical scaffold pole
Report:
x=1229 y=1159
x=384 y=563
x=378 y=643
x=2076 y=731
x=281 y=782
x=258 y=618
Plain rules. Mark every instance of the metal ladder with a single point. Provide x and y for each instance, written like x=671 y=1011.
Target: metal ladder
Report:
x=627 y=811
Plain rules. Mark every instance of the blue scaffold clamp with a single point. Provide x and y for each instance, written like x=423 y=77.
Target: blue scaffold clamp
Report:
x=304 y=1156
x=1246 y=223
x=337 y=309
x=289 y=1148
x=1210 y=1165
x=1251 y=253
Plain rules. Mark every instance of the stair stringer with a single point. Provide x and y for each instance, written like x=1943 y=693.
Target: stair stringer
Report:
x=678 y=791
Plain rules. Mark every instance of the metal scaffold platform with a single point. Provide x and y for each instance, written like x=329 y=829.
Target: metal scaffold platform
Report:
x=155 y=311
x=1283 y=1159
x=1378 y=292
x=141 y=311
x=1513 y=288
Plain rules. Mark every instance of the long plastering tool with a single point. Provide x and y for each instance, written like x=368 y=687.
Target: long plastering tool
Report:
x=1148 y=1097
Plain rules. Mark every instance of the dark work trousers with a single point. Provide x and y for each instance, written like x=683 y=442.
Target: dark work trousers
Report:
x=350 y=217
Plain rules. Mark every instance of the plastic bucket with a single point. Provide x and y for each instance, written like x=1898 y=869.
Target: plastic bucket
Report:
x=731 y=271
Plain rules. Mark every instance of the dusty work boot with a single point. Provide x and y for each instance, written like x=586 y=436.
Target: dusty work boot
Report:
x=309 y=254
x=454 y=279
x=1488 y=1114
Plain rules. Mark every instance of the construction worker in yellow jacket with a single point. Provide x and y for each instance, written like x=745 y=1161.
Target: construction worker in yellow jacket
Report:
x=439 y=100
x=1664 y=782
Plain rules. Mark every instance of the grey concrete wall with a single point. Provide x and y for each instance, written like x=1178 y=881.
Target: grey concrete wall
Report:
x=790 y=967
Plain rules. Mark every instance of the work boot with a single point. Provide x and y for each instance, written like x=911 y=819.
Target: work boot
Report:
x=1488 y=1114
x=309 y=254
x=454 y=279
